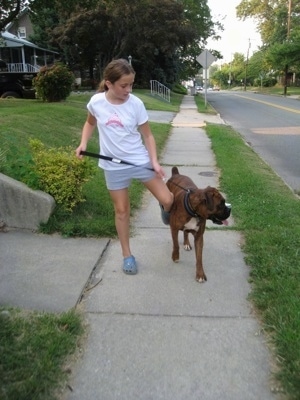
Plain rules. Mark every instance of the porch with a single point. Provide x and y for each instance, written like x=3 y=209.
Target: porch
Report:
x=20 y=67
x=21 y=56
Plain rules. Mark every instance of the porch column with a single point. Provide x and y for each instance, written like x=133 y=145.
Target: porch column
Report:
x=23 y=59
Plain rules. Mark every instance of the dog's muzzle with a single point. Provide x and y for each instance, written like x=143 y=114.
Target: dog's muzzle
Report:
x=216 y=219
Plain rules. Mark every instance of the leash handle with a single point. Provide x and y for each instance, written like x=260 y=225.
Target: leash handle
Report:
x=115 y=160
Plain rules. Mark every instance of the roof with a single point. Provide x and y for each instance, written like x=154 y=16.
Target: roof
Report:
x=11 y=40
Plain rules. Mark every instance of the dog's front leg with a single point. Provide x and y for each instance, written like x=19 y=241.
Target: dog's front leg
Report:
x=175 y=252
x=198 y=242
x=186 y=243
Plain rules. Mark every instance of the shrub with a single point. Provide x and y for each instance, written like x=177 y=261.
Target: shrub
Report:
x=53 y=83
x=60 y=173
x=178 y=88
x=2 y=158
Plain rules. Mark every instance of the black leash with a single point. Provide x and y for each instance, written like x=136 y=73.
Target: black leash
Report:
x=115 y=160
x=181 y=187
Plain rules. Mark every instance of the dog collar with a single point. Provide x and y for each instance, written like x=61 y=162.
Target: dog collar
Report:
x=187 y=205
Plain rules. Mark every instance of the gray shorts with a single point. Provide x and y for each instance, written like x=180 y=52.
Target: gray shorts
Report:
x=121 y=179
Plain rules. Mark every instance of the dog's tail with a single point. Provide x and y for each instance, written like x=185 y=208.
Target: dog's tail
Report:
x=175 y=171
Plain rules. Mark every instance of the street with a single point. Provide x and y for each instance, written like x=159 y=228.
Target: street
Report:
x=269 y=124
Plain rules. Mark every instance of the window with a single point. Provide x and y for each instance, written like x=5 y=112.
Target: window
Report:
x=22 y=32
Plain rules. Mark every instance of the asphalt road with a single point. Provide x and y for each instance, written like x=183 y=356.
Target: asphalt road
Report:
x=270 y=124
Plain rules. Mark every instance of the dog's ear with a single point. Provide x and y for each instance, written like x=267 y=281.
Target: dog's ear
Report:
x=209 y=197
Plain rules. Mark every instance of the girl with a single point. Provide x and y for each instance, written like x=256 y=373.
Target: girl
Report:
x=121 y=119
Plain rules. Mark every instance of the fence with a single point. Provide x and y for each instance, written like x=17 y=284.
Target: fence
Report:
x=20 y=67
x=158 y=89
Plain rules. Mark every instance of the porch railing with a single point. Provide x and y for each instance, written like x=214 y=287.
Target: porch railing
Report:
x=20 y=67
x=158 y=89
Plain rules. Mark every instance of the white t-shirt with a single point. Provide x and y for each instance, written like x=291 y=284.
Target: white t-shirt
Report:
x=118 y=130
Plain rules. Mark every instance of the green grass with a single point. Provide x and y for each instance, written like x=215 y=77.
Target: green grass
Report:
x=266 y=212
x=154 y=103
x=59 y=125
x=268 y=215
x=275 y=90
x=34 y=349
x=202 y=108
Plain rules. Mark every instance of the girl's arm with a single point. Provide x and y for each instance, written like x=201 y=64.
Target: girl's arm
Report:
x=87 y=132
x=151 y=147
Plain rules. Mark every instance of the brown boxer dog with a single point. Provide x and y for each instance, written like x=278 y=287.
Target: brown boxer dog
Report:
x=191 y=208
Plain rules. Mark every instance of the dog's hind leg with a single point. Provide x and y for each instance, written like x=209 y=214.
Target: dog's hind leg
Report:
x=186 y=243
x=175 y=252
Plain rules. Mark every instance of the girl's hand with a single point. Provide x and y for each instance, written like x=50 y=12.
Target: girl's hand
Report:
x=79 y=149
x=159 y=170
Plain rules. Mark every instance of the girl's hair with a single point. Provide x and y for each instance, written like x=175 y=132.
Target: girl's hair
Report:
x=114 y=71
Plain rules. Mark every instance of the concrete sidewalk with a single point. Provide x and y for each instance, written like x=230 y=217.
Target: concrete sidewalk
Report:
x=159 y=334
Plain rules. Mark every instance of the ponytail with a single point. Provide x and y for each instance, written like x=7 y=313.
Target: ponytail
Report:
x=102 y=87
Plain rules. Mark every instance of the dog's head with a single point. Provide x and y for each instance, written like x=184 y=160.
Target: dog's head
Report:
x=218 y=209
x=209 y=204
x=203 y=203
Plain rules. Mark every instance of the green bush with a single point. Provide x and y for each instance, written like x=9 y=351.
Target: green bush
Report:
x=266 y=82
x=53 y=83
x=60 y=173
x=178 y=88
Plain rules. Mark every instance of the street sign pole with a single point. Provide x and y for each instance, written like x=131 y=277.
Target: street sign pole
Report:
x=205 y=93
x=205 y=59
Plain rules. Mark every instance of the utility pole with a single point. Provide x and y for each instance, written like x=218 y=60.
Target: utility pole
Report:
x=286 y=69
x=246 y=66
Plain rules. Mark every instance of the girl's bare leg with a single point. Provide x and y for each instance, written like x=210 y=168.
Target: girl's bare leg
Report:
x=121 y=203
x=161 y=192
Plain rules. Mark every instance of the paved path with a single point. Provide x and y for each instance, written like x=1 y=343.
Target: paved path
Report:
x=159 y=334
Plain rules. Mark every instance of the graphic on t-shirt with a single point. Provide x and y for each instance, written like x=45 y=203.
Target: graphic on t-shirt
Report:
x=114 y=120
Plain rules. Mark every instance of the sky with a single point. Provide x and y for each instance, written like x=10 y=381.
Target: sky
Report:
x=236 y=34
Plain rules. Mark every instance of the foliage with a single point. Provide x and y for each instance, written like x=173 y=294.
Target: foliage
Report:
x=10 y=10
x=177 y=88
x=60 y=173
x=272 y=18
x=163 y=37
x=279 y=25
x=288 y=53
x=3 y=159
x=34 y=347
x=233 y=72
x=53 y=83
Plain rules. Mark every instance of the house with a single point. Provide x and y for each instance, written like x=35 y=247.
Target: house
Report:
x=20 y=60
x=21 y=26
x=17 y=52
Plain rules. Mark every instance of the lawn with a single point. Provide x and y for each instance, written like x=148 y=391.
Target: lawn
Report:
x=275 y=90
x=266 y=213
x=59 y=125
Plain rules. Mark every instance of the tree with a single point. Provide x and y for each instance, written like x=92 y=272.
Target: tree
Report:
x=9 y=10
x=279 y=25
x=162 y=36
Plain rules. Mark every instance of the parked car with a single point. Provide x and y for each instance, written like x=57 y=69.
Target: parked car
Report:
x=16 y=84
x=216 y=88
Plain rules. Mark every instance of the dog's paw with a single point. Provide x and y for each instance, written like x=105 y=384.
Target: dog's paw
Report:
x=187 y=247
x=175 y=256
x=201 y=279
